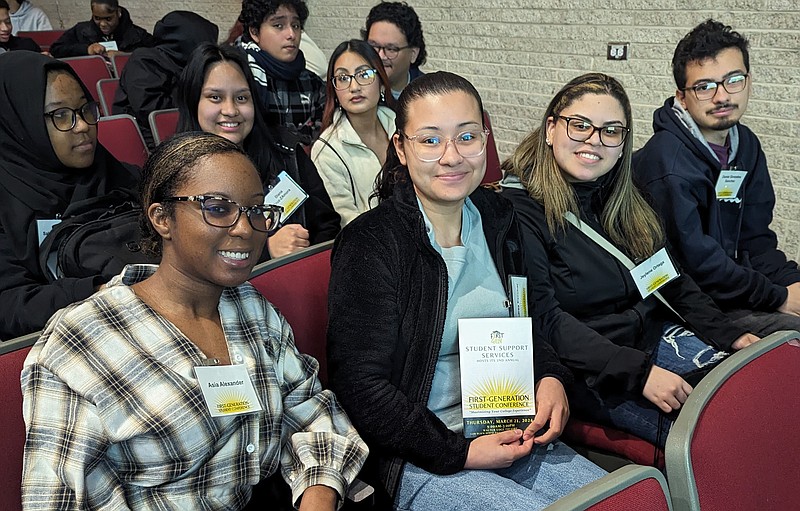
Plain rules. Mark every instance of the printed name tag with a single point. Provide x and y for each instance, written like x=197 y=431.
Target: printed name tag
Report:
x=519 y=296
x=109 y=45
x=286 y=193
x=729 y=183
x=43 y=228
x=653 y=273
x=227 y=390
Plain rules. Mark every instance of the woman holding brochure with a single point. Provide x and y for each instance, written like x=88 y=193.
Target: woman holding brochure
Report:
x=215 y=95
x=438 y=248
x=594 y=248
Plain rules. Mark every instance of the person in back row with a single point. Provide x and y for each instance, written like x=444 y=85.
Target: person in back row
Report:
x=215 y=94
x=292 y=95
x=9 y=41
x=149 y=80
x=584 y=227
x=50 y=161
x=708 y=178
x=110 y=30
x=394 y=30
x=27 y=18
x=352 y=147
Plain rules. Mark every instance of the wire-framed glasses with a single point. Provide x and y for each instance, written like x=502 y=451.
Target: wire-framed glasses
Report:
x=705 y=91
x=390 y=51
x=430 y=147
x=363 y=77
x=65 y=118
x=581 y=130
x=224 y=213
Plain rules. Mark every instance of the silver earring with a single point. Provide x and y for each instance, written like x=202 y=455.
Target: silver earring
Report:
x=547 y=141
x=383 y=97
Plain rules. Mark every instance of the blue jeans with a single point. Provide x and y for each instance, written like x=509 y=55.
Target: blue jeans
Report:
x=679 y=351
x=533 y=482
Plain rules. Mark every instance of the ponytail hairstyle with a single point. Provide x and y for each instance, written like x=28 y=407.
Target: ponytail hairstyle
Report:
x=432 y=84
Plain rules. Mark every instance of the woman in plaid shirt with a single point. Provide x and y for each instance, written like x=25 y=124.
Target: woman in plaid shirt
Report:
x=119 y=410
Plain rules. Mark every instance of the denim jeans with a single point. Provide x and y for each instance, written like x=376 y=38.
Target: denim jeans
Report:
x=532 y=482
x=679 y=351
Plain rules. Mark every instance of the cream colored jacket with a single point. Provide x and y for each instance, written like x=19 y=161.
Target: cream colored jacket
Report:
x=347 y=166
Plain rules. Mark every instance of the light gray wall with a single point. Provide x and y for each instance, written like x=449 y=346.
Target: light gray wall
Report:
x=519 y=52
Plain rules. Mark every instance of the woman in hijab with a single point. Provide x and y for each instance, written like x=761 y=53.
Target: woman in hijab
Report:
x=49 y=159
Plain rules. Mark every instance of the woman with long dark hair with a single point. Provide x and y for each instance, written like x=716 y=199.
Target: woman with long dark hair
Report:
x=586 y=227
x=215 y=94
x=356 y=127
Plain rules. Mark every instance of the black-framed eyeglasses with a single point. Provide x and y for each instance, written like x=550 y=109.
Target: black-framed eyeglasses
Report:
x=363 y=77
x=224 y=213
x=430 y=147
x=390 y=51
x=65 y=118
x=705 y=91
x=581 y=130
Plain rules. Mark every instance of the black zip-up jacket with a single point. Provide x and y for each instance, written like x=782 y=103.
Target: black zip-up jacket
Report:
x=727 y=247
x=590 y=307
x=387 y=306
x=75 y=42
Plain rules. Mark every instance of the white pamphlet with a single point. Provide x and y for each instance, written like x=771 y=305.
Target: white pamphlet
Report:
x=497 y=387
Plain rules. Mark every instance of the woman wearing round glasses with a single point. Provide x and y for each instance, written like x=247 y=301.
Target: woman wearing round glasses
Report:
x=178 y=386
x=614 y=306
x=215 y=95
x=438 y=248
x=356 y=129
x=50 y=159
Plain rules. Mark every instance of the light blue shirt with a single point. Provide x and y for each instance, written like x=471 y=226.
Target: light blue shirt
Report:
x=474 y=290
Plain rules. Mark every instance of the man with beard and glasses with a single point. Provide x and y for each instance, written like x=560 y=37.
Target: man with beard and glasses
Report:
x=707 y=176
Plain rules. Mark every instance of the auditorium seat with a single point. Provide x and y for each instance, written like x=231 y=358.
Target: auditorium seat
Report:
x=163 y=124
x=297 y=284
x=44 y=38
x=605 y=439
x=630 y=488
x=735 y=445
x=118 y=62
x=12 y=427
x=121 y=136
x=493 y=172
x=106 y=89
x=90 y=69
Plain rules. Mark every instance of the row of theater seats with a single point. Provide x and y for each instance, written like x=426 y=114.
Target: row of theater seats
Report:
x=733 y=447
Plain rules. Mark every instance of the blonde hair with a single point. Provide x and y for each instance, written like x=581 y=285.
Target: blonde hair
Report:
x=626 y=217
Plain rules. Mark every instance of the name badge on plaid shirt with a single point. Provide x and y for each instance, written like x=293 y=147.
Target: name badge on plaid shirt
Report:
x=227 y=390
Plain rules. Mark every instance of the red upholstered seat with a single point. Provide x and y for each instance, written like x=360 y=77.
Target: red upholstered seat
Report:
x=106 y=89
x=12 y=427
x=121 y=136
x=297 y=285
x=90 y=69
x=163 y=124
x=631 y=488
x=118 y=62
x=493 y=172
x=614 y=441
x=735 y=445
x=44 y=38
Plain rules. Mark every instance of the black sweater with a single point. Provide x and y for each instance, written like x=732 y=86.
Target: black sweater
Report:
x=592 y=311
x=75 y=42
x=387 y=305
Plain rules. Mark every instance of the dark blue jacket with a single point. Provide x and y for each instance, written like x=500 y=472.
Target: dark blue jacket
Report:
x=726 y=246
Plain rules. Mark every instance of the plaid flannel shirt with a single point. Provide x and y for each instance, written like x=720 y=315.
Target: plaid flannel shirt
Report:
x=298 y=103
x=116 y=420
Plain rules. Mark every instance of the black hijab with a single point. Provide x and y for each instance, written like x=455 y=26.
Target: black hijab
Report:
x=34 y=184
